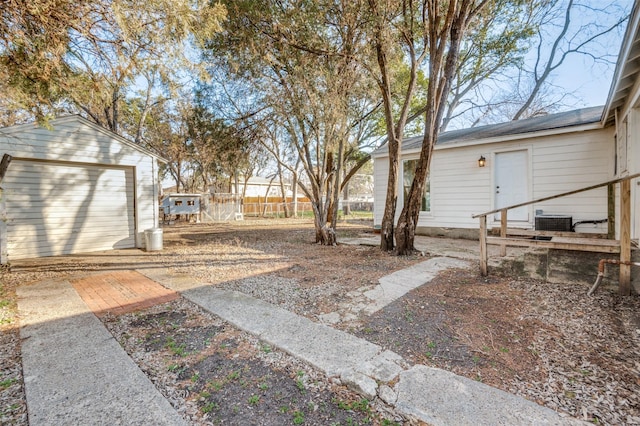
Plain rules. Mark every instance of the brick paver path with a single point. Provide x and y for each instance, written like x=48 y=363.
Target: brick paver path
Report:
x=121 y=292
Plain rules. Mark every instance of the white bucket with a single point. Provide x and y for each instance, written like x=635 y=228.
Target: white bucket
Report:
x=153 y=239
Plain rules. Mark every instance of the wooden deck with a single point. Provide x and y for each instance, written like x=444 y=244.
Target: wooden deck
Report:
x=567 y=241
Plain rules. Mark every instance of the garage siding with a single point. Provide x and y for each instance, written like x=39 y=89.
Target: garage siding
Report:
x=75 y=142
x=63 y=208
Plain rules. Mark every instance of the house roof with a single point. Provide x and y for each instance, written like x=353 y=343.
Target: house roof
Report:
x=261 y=181
x=627 y=69
x=491 y=132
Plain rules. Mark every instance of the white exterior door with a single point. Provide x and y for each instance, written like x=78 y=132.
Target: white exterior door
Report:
x=63 y=208
x=512 y=183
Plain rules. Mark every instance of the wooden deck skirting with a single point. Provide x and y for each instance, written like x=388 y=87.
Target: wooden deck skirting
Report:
x=517 y=232
x=566 y=241
x=562 y=243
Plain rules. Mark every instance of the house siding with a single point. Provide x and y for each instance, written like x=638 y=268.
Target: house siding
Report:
x=74 y=141
x=380 y=172
x=560 y=163
x=634 y=167
x=571 y=162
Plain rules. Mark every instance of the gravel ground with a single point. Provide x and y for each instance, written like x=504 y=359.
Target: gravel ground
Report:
x=215 y=374
x=547 y=342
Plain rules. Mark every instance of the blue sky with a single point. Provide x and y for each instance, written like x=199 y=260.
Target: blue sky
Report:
x=589 y=84
x=589 y=81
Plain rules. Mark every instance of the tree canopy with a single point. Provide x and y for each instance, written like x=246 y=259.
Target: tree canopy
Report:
x=304 y=88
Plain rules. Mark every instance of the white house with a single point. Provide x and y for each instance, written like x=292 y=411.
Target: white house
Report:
x=74 y=187
x=258 y=186
x=536 y=158
x=480 y=169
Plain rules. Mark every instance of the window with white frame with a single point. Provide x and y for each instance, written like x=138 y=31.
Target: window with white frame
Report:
x=408 y=172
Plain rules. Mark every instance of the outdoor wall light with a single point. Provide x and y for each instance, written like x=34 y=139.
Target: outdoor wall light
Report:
x=482 y=161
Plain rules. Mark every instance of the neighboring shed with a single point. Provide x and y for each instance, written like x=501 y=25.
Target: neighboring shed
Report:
x=523 y=160
x=74 y=187
x=177 y=204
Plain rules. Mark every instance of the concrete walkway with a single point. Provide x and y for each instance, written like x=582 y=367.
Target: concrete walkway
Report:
x=432 y=395
x=76 y=373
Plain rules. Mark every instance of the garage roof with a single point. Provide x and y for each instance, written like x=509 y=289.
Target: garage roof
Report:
x=84 y=121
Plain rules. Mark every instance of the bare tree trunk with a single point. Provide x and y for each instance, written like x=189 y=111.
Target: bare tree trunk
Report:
x=283 y=192
x=408 y=220
x=236 y=183
x=294 y=193
x=324 y=207
x=266 y=195
x=178 y=176
x=395 y=128
x=388 y=218
x=325 y=235
x=145 y=110
x=346 y=208
x=320 y=195
x=336 y=187
x=445 y=31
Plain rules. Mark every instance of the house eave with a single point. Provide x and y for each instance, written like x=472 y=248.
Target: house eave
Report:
x=624 y=81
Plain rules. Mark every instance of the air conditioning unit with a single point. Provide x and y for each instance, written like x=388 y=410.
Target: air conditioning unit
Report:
x=554 y=222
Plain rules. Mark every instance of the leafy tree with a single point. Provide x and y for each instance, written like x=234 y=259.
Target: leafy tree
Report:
x=497 y=41
x=203 y=150
x=300 y=60
x=88 y=56
x=396 y=28
x=494 y=41
x=166 y=133
x=445 y=24
x=34 y=36
x=470 y=55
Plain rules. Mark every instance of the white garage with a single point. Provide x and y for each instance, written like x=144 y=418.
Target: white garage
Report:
x=74 y=187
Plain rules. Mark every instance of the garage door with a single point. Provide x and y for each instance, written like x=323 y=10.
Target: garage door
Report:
x=63 y=208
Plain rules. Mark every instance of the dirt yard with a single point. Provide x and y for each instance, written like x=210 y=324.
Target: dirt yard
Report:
x=550 y=343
